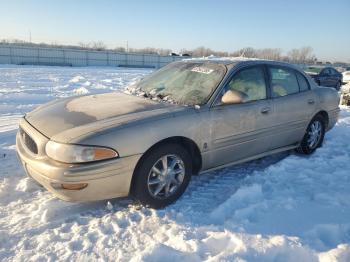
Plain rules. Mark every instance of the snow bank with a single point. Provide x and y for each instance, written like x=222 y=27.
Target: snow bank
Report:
x=284 y=207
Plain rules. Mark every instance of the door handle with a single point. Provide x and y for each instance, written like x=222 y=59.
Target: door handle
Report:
x=311 y=101
x=265 y=110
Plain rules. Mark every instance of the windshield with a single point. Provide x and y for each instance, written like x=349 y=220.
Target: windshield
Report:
x=187 y=83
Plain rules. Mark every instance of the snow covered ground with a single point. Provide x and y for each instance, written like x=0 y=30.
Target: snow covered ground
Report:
x=284 y=207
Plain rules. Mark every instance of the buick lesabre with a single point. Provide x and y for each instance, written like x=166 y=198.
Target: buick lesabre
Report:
x=186 y=118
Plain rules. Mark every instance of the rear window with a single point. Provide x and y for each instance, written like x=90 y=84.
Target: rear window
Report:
x=333 y=71
x=326 y=71
x=283 y=82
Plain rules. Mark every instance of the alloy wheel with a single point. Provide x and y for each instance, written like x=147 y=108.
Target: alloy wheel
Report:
x=314 y=134
x=166 y=176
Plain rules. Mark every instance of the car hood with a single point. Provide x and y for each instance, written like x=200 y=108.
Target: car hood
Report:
x=68 y=118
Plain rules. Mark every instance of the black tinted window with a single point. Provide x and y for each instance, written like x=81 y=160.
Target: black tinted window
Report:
x=303 y=84
x=326 y=72
x=334 y=72
x=250 y=83
x=283 y=82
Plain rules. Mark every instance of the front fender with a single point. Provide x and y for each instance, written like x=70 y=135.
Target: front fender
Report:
x=138 y=138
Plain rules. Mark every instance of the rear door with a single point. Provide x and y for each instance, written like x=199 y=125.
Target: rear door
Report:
x=241 y=130
x=325 y=77
x=294 y=104
x=335 y=77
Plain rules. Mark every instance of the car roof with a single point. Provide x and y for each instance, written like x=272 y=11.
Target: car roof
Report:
x=233 y=60
x=218 y=60
x=238 y=61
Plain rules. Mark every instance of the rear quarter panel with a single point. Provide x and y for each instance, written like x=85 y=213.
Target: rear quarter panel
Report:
x=329 y=102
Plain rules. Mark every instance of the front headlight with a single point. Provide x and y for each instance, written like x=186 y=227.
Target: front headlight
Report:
x=78 y=154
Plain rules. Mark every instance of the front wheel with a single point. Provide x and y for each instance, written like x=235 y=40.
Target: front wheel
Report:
x=162 y=176
x=313 y=137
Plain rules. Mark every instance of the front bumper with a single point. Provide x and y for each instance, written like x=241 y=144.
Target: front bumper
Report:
x=105 y=179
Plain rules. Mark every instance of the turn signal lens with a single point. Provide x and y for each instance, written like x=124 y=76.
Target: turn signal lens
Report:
x=74 y=186
x=104 y=153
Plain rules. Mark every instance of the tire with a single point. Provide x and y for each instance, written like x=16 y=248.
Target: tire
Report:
x=147 y=182
x=306 y=146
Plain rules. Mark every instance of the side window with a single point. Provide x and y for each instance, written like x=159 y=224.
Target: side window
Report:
x=303 y=83
x=283 y=82
x=326 y=72
x=249 y=83
x=334 y=72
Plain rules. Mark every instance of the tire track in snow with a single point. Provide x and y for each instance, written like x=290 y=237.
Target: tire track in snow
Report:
x=209 y=190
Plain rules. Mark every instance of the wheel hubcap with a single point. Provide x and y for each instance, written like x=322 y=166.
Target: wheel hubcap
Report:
x=166 y=176
x=314 y=133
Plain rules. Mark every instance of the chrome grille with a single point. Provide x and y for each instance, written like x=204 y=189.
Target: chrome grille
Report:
x=28 y=141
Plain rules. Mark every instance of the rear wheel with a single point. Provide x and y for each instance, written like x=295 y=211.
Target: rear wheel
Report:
x=162 y=176
x=314 y=136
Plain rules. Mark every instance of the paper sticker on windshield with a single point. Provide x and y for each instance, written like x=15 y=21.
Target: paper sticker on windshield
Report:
x=202 y=70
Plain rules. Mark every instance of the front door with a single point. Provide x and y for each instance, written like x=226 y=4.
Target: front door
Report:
x=241 y=129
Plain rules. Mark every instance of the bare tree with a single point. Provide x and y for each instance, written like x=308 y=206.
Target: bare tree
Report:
x=305 y=54
x=202 y=52
x=84 y=45
x=248 y=52
x=120 y=49
x=294 y=55
x=99 y=46
x=302 y=55
x=269 y=53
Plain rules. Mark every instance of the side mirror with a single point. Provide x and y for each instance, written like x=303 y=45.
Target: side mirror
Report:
x=233 y=97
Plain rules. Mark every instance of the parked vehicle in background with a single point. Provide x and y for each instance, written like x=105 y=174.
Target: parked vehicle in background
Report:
x=325 y=76
x=346 y=75
x=345 y=94
x=188 y=117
